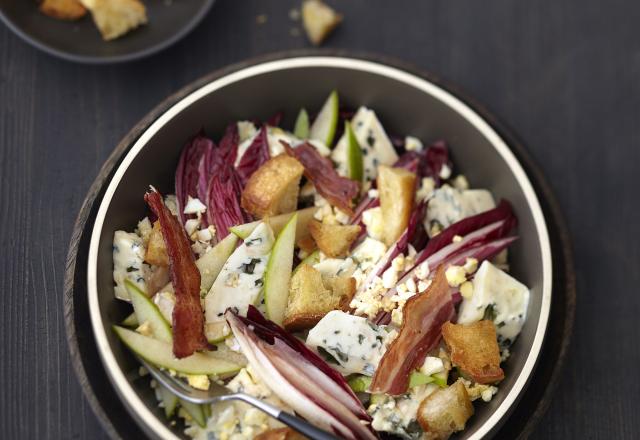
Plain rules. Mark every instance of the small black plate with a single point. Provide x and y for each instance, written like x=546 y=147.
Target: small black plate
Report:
x=80 y=41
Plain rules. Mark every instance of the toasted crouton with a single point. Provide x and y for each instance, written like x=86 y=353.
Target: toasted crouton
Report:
x=63 y=9
x=306 y=244
x=280 y=434
x=474 y=349
x=445 y=411
x=156 y=250
x=396 y=187
x=273 y=189
x=311 y=297
x=333 y=240
x=115 y=18
x=319 y=20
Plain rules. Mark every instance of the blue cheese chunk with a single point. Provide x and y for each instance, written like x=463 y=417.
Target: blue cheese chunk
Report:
x=398 y=414
x=240 y=281
x=373 y=140
x=128 y=262
x=499 y=297
x=332 y=267
x=449 y=205
x=351 y=343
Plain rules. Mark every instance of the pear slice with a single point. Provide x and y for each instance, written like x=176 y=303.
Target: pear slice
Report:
x=324 y=126
x=301 y=129
x=169 y=400
x=212 y=262
x=147 y=312
x=278 y=273
x=197 y=412
x=130 y=321
x=311 y=259
x=355 y=163
x=161 y=354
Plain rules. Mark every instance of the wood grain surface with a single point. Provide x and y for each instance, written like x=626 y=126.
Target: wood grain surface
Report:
x=564 y=75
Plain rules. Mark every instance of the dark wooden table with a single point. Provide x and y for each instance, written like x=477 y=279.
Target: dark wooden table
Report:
x=564 y=75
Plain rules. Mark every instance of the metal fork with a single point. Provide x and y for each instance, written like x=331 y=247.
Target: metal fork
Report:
x=218 y=393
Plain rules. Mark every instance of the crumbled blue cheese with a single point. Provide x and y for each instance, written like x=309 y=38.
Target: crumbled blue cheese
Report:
x=191 y=226
x=328 y=214
x=331 y=267
x=171 y=202
x=499 y=297
x=128 y=262
x=479 y=391
x=432 y=365
x=240 y=281
x=194 y=206
x=456 y=275
x=449 y=205
x=368 y=253
x=165 y=301
x=144 y=229
x=427 y=186
x=372 y=219
x=351 y=343
x=398 y=415
x=460 y=182
x=413 y=144
x=246 y=130
x=274 y=137
x=373 y=140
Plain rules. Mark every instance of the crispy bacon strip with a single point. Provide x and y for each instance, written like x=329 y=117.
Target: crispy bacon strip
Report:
x=424 y=315
x=338 y=190
x=188 y=319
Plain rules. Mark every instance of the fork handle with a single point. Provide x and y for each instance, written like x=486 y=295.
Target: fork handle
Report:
x=303 y=427
x=297 y=423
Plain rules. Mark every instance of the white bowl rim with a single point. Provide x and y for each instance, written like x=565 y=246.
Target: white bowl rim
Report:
x=150 y=422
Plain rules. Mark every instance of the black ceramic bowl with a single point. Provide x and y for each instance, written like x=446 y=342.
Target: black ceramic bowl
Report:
x=80 y=41
x=406 y=104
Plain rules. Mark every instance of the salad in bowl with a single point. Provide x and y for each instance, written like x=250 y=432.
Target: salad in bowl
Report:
x=338 y=272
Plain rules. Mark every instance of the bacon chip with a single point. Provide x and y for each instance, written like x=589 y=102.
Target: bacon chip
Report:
x=424 y=316
x=188 y=319
x=338 y=190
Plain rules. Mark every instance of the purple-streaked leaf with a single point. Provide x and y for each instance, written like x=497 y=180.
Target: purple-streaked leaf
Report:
x=436 y=157
x=213 y=161
x=187 y=172
x=470 y=224
x=223 y=201
x=255 y=156
x=296 y=374
x=275 y=119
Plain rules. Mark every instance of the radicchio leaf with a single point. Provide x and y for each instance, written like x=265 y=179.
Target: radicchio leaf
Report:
x=436 y=158
x=275 y=119
x=470 y=224
x=293 y=371
x=188 y=170
x=338 y=190
x=188 y=319
x=255 y=156
x=223 y=201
